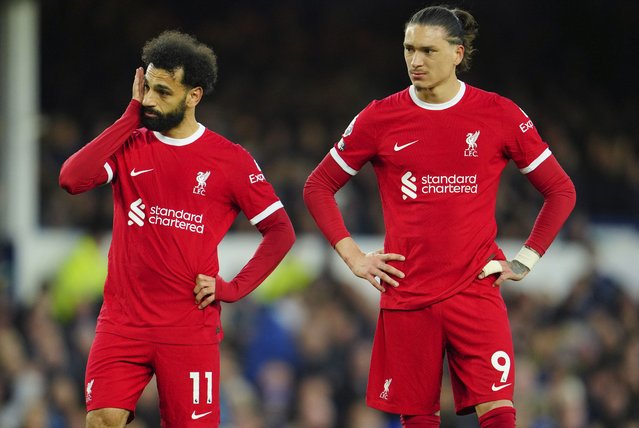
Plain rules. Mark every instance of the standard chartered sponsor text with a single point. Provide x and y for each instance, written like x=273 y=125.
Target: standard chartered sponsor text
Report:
x=449 y=183
x=179 y=219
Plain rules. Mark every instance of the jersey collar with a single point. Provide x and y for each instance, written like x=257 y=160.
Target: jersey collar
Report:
x=440 y=106
x=180 y=141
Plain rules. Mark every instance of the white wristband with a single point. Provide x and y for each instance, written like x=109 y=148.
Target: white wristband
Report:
x=527 y=257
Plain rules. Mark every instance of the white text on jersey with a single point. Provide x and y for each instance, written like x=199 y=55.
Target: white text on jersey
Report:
x=438 y=184
x=525 y=126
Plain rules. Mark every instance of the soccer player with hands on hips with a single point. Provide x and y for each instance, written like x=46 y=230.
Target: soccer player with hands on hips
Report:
x=438 y=149
x=177 y=188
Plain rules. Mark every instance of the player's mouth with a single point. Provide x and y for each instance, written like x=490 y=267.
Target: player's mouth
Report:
x=417 y=74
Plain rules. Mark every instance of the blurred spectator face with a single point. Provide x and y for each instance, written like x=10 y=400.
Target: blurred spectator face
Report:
x=12 y=352
x=36 y=415
x=316 y=407
x=276 y=382
x=631 y=365
x=164 y=102
x=362 y=416
x=64 y=393
x=430 y=58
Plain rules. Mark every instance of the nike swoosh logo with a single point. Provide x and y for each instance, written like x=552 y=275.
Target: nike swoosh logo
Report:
x=134 y=172
x=398 y=147
x=500 y=387
x=195 y=416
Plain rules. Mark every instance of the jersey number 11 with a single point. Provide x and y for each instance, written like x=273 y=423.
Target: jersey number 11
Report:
x=196 y=386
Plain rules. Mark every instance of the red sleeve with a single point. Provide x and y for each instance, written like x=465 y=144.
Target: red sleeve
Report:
x=278 y=237
x=319 y=196
x=85 y=169
x=553 y=183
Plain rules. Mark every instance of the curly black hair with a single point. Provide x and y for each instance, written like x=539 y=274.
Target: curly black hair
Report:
x=172 y=50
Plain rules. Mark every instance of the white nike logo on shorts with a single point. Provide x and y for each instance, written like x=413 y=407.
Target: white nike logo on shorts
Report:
x=134 y=172
x=403 y=146
x=500 y=387
x=195 y=416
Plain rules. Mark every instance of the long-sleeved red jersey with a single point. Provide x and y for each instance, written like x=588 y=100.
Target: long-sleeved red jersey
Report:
x=438 y=168
x=174 y=200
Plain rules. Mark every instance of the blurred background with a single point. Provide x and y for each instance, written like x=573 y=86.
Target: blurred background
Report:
x=293 y=74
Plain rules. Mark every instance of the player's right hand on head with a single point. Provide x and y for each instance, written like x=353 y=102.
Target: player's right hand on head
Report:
x=138 y=85
x=204 y=290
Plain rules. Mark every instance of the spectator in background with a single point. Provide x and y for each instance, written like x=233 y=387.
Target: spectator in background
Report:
x=278 y=117
x=555 y=98
x=177 y=188
x=556 y=351
x=435 y=271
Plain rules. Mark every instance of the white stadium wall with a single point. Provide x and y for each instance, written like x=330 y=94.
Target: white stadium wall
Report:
x=616 y=250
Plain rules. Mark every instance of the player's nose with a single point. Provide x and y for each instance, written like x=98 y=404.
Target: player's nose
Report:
x=149 y=100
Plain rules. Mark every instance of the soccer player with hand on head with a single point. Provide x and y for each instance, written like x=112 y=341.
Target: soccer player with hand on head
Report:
x=177 y=188
x=438 y=149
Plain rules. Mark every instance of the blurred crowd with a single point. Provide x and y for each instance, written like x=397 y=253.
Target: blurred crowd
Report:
x=292 y=76
x=301 y=360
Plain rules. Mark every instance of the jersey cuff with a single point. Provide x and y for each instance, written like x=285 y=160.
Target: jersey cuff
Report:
x=109 y=172
x=534 y=164
x=267 y=212
x=341 y=162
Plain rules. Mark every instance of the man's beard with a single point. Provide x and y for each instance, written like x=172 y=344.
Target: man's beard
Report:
x=163 y=122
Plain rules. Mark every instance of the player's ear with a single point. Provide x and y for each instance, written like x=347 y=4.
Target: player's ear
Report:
x=459 y=54
x=194 y=96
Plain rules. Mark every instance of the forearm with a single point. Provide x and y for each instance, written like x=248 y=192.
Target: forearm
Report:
x=85 y=169
x=348 y=250
x=319 y=197
x=559 y=200
x=278 y=237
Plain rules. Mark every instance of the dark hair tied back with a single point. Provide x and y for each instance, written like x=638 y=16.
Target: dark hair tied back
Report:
x=461 y=27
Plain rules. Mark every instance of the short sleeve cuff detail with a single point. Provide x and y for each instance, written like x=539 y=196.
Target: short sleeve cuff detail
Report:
x=534 y=164
x=342 y=163
x=267 y=212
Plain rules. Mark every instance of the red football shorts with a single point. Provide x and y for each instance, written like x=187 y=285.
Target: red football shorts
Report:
x=471 y=328
x=188 y=378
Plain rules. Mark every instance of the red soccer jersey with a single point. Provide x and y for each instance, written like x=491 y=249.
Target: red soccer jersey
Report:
x=174 y=200
x=438 y=168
